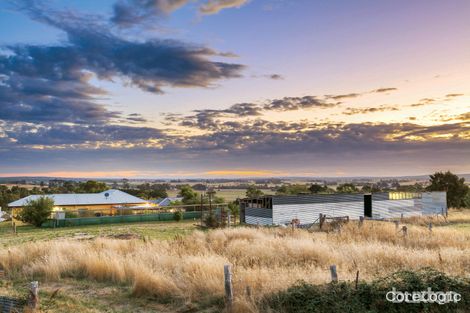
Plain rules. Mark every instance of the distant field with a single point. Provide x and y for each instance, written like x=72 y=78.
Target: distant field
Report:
x=227 y=194
x=21 y=185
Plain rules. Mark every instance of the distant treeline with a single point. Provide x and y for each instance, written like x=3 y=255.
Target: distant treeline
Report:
x=458 y=194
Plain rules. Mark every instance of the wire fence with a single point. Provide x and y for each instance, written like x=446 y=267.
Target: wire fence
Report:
x=132 y=214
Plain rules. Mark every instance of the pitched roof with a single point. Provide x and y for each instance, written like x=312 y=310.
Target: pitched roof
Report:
x=111 y=196
x=166 y=201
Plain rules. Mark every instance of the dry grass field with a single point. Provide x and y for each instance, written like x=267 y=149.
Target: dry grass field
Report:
x=187 y=271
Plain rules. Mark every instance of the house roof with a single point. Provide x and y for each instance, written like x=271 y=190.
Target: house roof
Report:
x=166 y=200
x=111 y=196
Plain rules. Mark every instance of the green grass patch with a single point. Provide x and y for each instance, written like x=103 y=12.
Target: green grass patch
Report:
x=150 y=230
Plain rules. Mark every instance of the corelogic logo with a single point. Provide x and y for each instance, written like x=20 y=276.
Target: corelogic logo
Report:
x=427 y=296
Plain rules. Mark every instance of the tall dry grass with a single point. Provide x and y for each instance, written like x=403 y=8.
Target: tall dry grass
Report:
x=267 y=260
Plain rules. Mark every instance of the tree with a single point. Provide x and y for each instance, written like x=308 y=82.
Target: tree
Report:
x=466 y=200
x=347 y=188
x=188 y=194
x=37 y=211
x=253 y=192
x=369 y=188
x=234 y=209
x=92 y=186
x=294 y=189
x=452 y=184
x=178 y=216
x=200 y=187
x=316 y=188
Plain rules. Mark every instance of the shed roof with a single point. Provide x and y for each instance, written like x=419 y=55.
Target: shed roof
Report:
x=111 y=196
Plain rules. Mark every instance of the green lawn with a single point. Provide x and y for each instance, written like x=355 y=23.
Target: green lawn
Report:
x=151 y=230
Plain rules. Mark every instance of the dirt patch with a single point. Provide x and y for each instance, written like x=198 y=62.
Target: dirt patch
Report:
x=83 y=236
x=127 y=236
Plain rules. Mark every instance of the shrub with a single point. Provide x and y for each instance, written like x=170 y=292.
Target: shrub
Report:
x=178 y=216
x=37 y=211
x=211 y=220
x=69 y=214
x=371 y=297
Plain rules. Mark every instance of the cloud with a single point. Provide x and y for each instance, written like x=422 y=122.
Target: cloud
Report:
x=136 y=118
x=276 y=76
x=57 y=134
x=29 y=96
x=147 y=65
x=210 y=119
x=215 y=6
x=129 y=12
x=463 y=117
x=360 y=94
x=345 y=96
x=383 y=108
x=52 y=83
x=454 y=95
x=253 y=136
x=253 y=143
x=424 y=101
x=296 y=103
x=381 y=90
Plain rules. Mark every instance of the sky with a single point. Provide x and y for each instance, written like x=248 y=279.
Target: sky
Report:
x=234 y=88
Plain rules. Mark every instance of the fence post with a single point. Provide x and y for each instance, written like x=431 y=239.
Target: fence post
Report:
x=357 y=279
x=228 y=285
x=361 y=221
x=334 y=274
x=397 y=224
x=430 y=227
x=248 y=291
x=33 y=300
x=321 y=221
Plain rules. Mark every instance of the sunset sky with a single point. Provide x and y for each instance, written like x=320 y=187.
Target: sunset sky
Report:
x=234 y=88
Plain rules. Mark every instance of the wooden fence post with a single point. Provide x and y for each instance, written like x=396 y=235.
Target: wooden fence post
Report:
x=33 y=300
x=334 y=274
x=357 y=279
x=397 y=224
x=430 y=227
x=321 y=221
x=361 y=221
x=248 y=291
x=228 y=286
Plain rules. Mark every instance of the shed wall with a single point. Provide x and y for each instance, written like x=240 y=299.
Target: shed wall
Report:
x=254 y=220
x=309 y=212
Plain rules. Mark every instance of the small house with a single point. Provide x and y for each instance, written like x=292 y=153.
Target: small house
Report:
x=108 y=200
